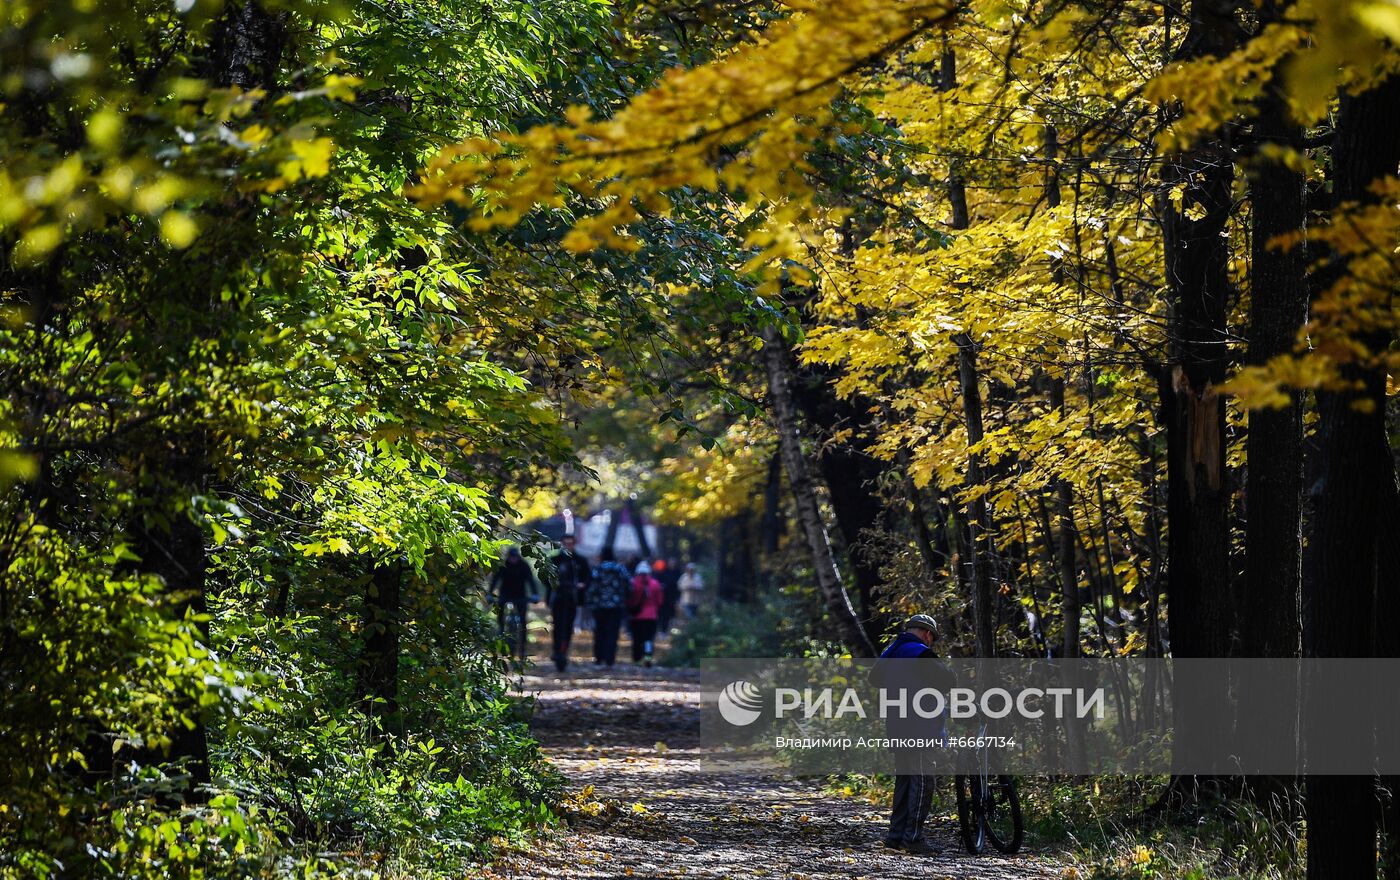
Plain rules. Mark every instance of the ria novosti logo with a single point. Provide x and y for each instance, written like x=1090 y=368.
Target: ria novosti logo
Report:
x=740 y=703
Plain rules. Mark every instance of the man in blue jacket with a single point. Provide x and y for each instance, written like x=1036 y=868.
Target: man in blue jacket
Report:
x=909 y=664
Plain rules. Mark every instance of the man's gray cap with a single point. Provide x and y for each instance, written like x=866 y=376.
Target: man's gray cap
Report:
x=922 y=621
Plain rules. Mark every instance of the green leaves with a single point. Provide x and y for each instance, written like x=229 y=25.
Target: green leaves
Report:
x=236 y=370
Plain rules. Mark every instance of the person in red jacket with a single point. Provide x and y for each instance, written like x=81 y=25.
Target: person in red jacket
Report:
x=645 y=605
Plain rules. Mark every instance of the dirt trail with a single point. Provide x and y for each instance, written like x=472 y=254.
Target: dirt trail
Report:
x=632 y=734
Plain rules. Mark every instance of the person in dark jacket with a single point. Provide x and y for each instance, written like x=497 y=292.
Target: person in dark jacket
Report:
x=572 y=576
x=607 y=598
x=909 y=663
x=514 y=584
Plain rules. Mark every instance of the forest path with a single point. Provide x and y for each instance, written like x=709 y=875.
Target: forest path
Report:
x=632 y=734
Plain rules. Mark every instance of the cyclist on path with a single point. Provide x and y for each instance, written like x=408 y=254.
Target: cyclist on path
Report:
x=514 y=584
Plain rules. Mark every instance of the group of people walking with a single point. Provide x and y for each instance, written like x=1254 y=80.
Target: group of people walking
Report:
x=643 y=594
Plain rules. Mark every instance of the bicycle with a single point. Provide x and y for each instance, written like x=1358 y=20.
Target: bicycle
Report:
x=511 y=623
x=989 y=809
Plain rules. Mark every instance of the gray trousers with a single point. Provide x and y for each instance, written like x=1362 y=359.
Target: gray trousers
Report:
x=913 y=796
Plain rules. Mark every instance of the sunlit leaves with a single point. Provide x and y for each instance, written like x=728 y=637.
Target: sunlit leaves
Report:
x=772 y=97
x=1356 y=305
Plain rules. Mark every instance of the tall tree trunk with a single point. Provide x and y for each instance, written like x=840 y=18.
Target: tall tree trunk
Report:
x=737 y=572
x=247 y=38
x=1064 y=493
x=979 y=517
x=851 y=475
x=380 y=622
x=729 y=578
x=933 y=550
x=1069 y=588
x=977 y=527
x=178 y=556
x=1274 y=443
x=1387 y=608
x=804 y=490
x=957 y=190
x=1349 y=501
x=1069 y=577
x=634 y=516
x=1274 y=480
x=1198 y=497
x=1197 y=255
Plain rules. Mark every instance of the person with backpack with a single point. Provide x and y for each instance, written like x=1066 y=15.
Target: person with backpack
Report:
x=572 y=576
x=644 y=604
x=910 y=664
x=606 y=598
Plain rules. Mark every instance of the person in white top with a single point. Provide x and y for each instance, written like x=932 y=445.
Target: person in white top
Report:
x=692 y=590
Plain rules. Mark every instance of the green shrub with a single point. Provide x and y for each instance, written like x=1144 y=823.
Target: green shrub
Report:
x=763 y=628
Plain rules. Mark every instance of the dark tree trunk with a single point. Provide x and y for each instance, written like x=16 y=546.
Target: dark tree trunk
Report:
x=773 y=524
x=1065 y=549
x=1069 y=586
x=380 y=621
x=1274 y=444
x=1197 y=254
x=975 y=542
x=1064 y=493
x=1196 y=248
x=177 y=555
x=933 y=546
x=957 y=189
x=851 y=475
x=979 y=518
x=246 y=51
x=1387 y=608
x=1349 y=500
x=247 y=47
x=1198 y=581
x=1274 y=479
x=736 y=563
x=634 y=516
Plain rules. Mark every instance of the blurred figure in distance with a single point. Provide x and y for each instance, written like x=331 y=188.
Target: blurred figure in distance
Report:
x=514 y=585
x=573 y=574
x=607 y=597
x=644 y=604
x=692 y=588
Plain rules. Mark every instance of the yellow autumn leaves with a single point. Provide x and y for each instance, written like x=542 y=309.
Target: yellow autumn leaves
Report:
x=771 y=96
x=1321 y=46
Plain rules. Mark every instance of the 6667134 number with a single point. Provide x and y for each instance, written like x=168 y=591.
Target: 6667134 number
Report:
x=980 y=742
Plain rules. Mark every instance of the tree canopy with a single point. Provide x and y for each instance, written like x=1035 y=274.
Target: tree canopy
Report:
x=1072 y=323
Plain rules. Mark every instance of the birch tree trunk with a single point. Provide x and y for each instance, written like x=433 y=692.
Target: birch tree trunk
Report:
x=804 y=490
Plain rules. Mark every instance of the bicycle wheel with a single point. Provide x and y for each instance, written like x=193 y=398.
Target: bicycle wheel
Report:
x=510 y=632
x=1001 y=815
x=973 y=829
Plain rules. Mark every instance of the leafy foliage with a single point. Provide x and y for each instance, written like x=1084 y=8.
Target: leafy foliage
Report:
x=243 y=378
